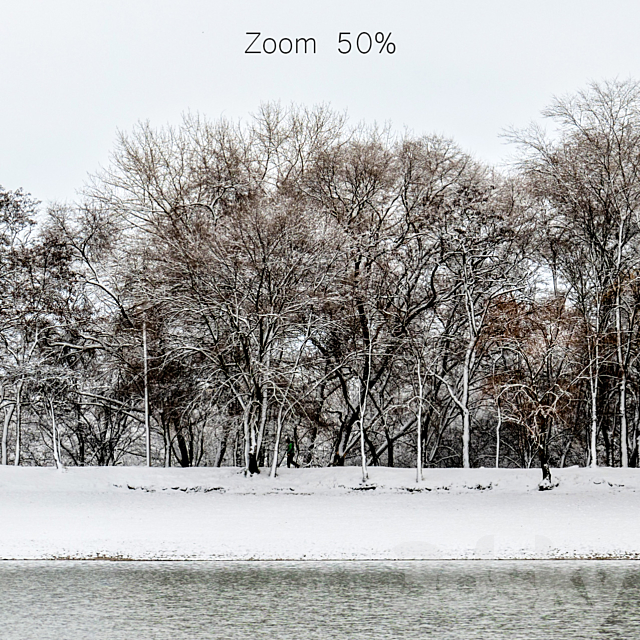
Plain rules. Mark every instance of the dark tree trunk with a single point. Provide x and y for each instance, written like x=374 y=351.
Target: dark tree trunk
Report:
x=184 y=458
x=375 y=461
x=389 y=448
x=543 y=454
x=253 y=464
x=343 y=440
x=81 y=438
x=313 y=434
x=222 y=449
x=338 y=458
x=607 y=445
x=633 y=460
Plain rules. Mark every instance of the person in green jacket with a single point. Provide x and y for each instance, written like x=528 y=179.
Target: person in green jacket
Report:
x=290 y=447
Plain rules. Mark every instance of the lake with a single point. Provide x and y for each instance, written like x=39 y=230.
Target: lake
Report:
x=302 y=600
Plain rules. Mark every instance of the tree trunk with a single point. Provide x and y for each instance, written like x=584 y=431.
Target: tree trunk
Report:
x=498 y=436
x=16 y=460
x=363 y=409
x=247 y=436
x=637 y=432
x=608 y=454
x=342 y=439
x=464 y=401
x=593 y=388
x=624 y=454
x=363 y=457
x=308 y=456
x=276 y=444
x=167 y=448
x=184 y=458
x=389 y=448
x=222 y=448
x=54 y=437
x=624 y=451
x=339 y=453
x=253 y=463
x=8 y=414
x=147 y=429
x=543 y=454
x=419 y=429
x=594 y=374
x=466 y=430
x=263 y=420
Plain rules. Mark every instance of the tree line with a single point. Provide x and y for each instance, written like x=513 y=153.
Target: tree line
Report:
x=379 y=299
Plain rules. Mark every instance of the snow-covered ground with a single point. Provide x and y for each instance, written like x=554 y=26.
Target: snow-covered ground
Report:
x=139 y=513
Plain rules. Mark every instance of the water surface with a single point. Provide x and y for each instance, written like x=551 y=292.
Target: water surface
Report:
x=313 y=600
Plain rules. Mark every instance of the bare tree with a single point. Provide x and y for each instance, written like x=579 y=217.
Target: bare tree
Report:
x=588 y=178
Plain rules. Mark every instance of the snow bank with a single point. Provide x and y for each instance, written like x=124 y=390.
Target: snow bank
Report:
x=139 y=513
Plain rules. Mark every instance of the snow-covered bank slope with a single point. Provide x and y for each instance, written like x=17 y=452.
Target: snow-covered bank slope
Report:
x=133 y=512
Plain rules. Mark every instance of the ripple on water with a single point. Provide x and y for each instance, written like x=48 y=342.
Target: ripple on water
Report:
x=465 y=600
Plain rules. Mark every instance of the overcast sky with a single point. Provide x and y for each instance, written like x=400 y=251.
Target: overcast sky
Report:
x=74 y=72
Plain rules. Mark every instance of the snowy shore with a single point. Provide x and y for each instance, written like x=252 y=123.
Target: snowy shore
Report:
x=315 y=514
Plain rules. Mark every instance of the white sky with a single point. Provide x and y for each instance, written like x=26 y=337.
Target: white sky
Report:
x=73 y=72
